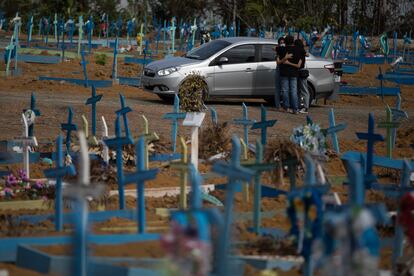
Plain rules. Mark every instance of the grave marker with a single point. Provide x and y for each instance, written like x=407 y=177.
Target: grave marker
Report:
x=263 y=125
x=79 y=192
x=80 y=33
x=333 y=129
x=58 y=173
x=172 y=30
x=115 y=62
x=235 y=174
x=148 y=138
x=26 y=141
x=85 y=73
x=123 y=112
x=30 y=30
x=93 y=100
x=35 y=111
x=193 y=32
x=118 y=142
x=141 y=175
x=174 y=116
x=245 y=122
x=389 y=124
x=214 y=118
x=69 y=127
x=183 y=167
x=194 y=120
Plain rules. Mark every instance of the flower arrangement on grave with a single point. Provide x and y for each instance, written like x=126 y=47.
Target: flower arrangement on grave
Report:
x=215 y=139
x=283 y=150
x=311 y=138
x=193 y=93
x=187 y=254
x=19 y=186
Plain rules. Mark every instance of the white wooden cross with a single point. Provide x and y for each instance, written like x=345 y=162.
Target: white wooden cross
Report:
x=26 y=142
x=194 y=120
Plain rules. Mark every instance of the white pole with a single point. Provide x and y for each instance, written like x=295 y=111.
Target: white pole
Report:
x=25 y=148
x=194 y=146
x=84 y=160
x=105 y=135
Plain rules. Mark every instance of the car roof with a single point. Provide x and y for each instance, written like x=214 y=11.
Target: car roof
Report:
x=239 y=39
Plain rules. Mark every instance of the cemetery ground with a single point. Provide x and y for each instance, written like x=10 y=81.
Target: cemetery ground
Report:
x=53 y=98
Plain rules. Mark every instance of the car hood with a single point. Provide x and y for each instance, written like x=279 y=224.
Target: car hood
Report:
x=171 y=62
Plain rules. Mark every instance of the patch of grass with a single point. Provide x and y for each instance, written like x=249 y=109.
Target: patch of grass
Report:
x=100 y=59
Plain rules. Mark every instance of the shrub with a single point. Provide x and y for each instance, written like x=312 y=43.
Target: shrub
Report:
x=193 y=93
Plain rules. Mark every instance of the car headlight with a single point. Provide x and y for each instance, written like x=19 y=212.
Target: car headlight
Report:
x=166 y=72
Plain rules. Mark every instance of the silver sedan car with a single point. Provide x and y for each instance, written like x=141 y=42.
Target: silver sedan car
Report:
x=233 y=67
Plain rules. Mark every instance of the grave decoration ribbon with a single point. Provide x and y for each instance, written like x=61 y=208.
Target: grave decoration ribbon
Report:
x=311 y=138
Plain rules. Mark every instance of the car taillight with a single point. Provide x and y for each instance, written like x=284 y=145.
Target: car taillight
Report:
x=330 y=67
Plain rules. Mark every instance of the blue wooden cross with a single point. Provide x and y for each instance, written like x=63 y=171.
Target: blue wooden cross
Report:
x=263 y=125
x=69 y=127
x=84 y=62
x=92 y=101
x=214 y=118
x=236 y=174
x=115 y=62
x=175 y=116
x=118 y=142
x=36 y=112
x=245 y=122
x=333 y=129
x=139 y=177
x=58 y=173
x=396 y=192
x=371 y=138
x=123 y=112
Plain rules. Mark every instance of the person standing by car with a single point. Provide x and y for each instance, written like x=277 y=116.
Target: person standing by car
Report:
x=303 y=77
x=280 y=50
x=289 y=72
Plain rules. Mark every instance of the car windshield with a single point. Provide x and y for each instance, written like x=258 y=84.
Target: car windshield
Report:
x=207 y=50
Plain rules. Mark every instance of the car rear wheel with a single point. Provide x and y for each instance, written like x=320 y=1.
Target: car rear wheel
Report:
x=166 y=98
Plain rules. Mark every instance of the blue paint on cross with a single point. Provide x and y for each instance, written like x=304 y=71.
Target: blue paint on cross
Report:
x=333 y=129
x=58 y=173
x=93 y=100
x=245 y=122
x=175 y=116
x=118 y=142
x=69 y=127
x=140 y=176
x=236 y=174
x=309 y=120
x=371 y=138
x=123 y=112
x=263 y=125
x=84 y=62
x=214 y=118
x=115 y=62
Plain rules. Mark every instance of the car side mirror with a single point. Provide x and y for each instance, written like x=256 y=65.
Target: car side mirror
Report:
x=222 y=61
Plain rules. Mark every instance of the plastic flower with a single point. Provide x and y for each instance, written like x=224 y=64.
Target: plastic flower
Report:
x=11 y=180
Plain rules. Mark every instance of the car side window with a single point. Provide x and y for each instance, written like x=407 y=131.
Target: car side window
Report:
x=240 y=54
x=268 y=53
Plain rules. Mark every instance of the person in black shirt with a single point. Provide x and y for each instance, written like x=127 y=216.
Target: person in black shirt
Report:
x=302 y=81
x=290 y=62
x=279 y=49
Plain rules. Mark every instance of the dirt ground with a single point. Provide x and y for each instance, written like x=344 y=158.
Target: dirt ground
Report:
x=53 y=99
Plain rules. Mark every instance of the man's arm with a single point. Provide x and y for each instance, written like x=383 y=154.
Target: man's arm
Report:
x=284 y=59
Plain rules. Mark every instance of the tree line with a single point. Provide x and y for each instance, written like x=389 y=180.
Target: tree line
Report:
x=370 y=17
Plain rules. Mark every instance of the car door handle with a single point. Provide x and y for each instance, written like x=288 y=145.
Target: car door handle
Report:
x=249 y=70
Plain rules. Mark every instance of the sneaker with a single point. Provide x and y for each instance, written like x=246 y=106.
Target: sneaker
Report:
x=303 y=111
x=295 y=112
